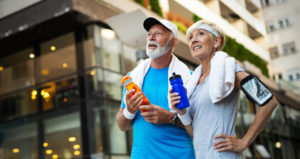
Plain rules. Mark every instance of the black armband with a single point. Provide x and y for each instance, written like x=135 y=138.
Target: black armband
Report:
x=255 y=90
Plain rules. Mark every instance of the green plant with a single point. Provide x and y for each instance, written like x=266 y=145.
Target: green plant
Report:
x=196 y=18
x=141 y=2
x=233 y=48
x=180 y=26
x=155 y=7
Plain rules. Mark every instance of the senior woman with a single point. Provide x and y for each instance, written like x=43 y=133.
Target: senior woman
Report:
x=213 y=93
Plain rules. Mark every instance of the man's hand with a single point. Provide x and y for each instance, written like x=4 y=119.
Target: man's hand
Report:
x=229 y=143
x=133 y=102
x=156 y=115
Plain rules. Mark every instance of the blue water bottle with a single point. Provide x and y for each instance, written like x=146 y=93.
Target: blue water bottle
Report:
x=177 y=86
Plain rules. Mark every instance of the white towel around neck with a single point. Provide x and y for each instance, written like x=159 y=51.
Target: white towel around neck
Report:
x=138 y=74
x=221 y=80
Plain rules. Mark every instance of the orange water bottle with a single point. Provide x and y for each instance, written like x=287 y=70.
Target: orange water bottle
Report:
x=129 y=84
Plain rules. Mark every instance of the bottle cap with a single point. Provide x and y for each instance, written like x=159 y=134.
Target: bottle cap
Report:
x=126 y=80
x=174 y=76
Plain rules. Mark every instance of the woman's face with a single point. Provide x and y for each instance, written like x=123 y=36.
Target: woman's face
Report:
x=201 y=44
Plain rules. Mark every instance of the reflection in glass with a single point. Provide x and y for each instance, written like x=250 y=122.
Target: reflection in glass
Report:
x=59 y=61
x=19 y=142
x=117 y=137
x=98 y=135
x=277 y=115
x=113 y=86
x=94 y=82
x=293 y=116
x=92 y=47
x=61 y=134
x=129 y=58
x=18 y=104
x=102 y=48
x=59 y=93
x=111 y=50
x=17 y=71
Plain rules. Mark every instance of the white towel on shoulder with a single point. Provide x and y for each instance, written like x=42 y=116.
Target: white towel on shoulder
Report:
x=221 y=80
x=138 y=74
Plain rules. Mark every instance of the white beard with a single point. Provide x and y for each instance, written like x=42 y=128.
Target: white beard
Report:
x=159 y=51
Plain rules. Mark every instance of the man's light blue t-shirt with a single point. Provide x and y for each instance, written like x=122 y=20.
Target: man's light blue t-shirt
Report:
x=155 y=141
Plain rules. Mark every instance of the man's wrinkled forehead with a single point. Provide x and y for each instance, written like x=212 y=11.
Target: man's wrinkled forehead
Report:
x=159 y=27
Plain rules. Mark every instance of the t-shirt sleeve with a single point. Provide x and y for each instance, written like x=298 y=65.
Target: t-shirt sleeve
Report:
x=123 y=95
x=239 y=68
x=122 y=102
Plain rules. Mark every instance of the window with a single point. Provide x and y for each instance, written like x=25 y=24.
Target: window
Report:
x=118 y=144
x=63 y=137
x=61 y=92
x=298 y=76
x=294 y=75
x=281 y=23
x=130 y=57
x=279 y=76
x=19 y=141
x=18 y=104
x=284 y=22
x=57 y=57
x=17 y=71
x=111 y=50
x=290 y=77
x=274 y=77
x=288 y=21
x=270 y=27
x=266 y=3
x=289 y=48
x=113 y=87
x=273 y=52
x=279 y=1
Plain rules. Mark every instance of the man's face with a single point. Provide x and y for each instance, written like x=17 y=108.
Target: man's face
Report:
x=158 y=41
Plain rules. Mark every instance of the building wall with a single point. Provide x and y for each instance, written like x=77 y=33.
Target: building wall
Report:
x=286 y=64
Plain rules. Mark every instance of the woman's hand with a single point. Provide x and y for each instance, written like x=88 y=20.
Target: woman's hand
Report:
x=229 y=143
x=175 y=99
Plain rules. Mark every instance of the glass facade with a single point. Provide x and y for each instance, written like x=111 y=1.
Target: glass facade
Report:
x=40 y=110
x=43 y=113
x=19 y=141
x=62 y=136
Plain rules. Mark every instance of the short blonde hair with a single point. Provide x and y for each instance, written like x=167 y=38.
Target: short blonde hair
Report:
x=213 y=26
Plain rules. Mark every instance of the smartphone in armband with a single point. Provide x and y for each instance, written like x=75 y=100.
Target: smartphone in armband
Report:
x=255 y=90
